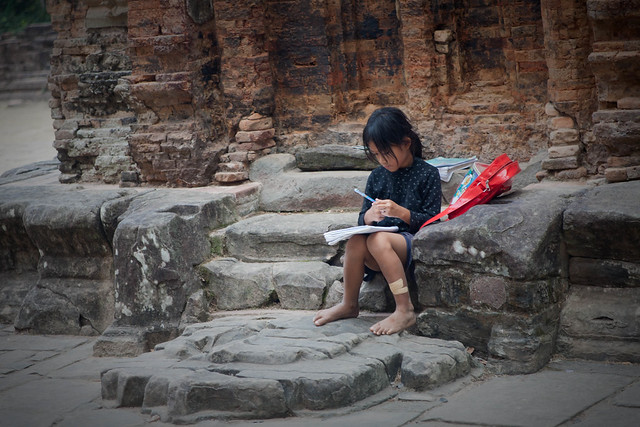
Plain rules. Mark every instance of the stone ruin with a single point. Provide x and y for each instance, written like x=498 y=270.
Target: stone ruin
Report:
x=269 y=96
x=191 y=92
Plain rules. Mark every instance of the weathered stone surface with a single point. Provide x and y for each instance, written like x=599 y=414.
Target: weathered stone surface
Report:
x=130 y=341
x=67 y=306
x=59 y=232
x=237 y=285
x=334 y=294
x=512 y=343
x=13 y=290
x=271 y=364
x=456 y=287
x=601 y=324
x=496 y=281
x=295 y=237
x=490 y=238
x=296 y=285
x=31 y=170
x=302 y=285
x=604 y=272
x=268 y=166
x=333 y=157
x=560 y=163
x=160 y=237
x=374 y=295
x=286 y=190
x=605 y=223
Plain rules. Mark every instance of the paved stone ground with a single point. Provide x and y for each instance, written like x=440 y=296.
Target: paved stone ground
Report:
x=55 y=381
x=27 y=133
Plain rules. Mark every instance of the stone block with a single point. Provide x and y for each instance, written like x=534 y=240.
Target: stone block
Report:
x=617 y=162
x=604 y=272
x=559 y=151
x=257 y=145
x=209 y=391
x=333 y=157
x=302 y=285
x=562 y=122
x=605 y=223
x=487 y=239
x=550 y=110
x=616 y=175
x=442 y=36
x=312 y=191
x=601 y=324
x=237 y=285
x=228 y=177
x=273 y=364
x=629 y=103
x=67 y=306
x=255 y=136
x=512 y=343
x=560 y=163
x=257 y=124
x=572 y=174
x=159 y=237
x=375 y=295
x=564 y=136
x=444 y=287
x=295 y=237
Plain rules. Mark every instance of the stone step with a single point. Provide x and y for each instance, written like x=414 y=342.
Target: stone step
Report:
x=274 y=364
x=238 y=285
x=287 y=189
x=284 y=237
x=284 y=258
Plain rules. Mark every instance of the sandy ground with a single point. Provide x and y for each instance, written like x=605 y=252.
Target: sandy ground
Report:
x=26 y=133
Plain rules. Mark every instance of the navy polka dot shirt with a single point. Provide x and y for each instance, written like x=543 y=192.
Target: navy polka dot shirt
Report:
x=416 y=188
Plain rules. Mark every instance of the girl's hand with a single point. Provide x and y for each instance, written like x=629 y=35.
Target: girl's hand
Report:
x=374 y=214
x=386 y=208
x=389 y=208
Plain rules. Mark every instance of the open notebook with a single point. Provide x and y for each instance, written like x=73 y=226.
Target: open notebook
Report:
x=334 y=236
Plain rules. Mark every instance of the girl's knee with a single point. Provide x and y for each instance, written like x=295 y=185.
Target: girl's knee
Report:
x=357 y=244
x=378 y=242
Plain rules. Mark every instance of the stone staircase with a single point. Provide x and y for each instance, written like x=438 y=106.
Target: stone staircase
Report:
x=273 y=363
x=550 y=269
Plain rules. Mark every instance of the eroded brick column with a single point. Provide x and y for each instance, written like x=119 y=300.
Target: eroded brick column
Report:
x=615 y=61
x=417 y=32
x=571 y=90
x=175 y=81
x=91 y=113
x=247 y=82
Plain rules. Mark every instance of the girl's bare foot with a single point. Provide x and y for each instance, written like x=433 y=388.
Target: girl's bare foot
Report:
x=398 y=321
x=340 y=311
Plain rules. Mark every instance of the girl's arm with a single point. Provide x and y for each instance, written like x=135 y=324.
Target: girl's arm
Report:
x=431 y=200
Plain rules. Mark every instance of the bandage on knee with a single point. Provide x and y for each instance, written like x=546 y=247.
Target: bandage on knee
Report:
x=398 y=287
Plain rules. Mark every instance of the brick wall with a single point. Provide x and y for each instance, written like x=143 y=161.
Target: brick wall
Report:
x=90 y=107
x=190 y=92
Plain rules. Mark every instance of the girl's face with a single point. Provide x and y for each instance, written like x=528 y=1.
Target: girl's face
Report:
x=402 y=157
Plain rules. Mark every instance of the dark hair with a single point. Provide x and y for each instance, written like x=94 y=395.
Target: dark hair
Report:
x=386 y=127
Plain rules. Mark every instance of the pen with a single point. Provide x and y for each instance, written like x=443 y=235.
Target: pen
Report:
x=363 y=195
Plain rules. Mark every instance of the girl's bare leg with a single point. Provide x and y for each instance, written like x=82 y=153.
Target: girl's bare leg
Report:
x=389 y=250
x=354 y=259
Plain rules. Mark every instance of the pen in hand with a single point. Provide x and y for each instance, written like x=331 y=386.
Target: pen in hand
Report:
x=363 y=195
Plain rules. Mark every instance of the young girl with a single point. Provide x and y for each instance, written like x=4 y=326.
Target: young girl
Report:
x=407 y=193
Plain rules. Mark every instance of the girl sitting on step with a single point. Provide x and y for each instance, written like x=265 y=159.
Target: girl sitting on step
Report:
x=407 y=193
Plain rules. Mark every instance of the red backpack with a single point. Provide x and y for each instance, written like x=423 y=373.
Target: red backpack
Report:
x=493 y=181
